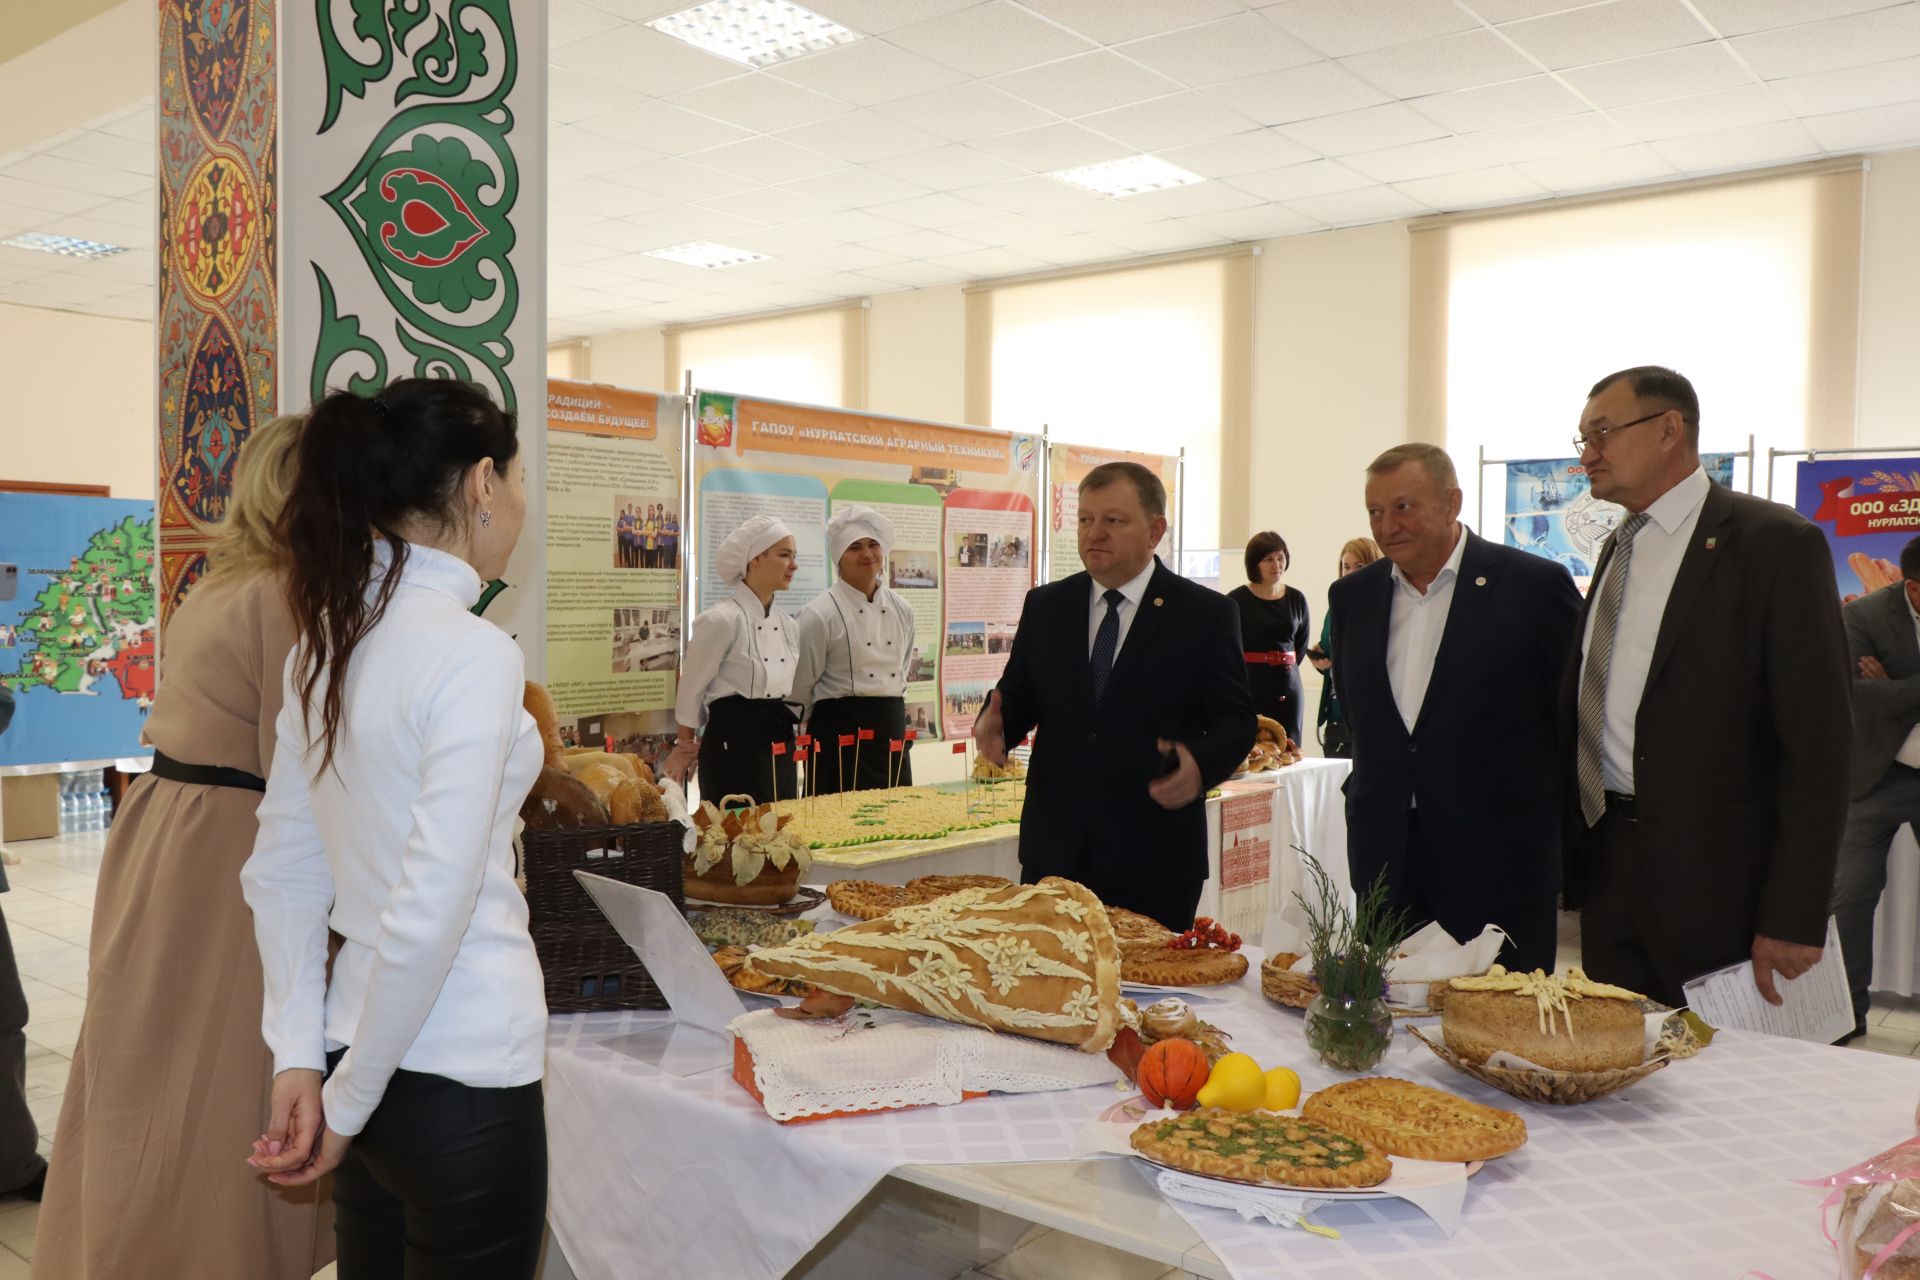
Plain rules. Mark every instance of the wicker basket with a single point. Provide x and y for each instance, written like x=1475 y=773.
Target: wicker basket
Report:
x=588 y=966
x=1297 y=990
x=1566 y=1088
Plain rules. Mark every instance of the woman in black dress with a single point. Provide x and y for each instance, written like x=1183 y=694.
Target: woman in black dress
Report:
x=1273 y=631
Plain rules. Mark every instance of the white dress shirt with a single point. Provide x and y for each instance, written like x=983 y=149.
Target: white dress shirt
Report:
x=737 y=647
x=1909 y=752
x=404 y=845
x=1651 y=569
x=851 y=646
x=1133 y=590
x=1415 y=625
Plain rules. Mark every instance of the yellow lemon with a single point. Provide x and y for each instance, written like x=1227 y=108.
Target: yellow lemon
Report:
x=1235 y=1083
x=1283 y=1089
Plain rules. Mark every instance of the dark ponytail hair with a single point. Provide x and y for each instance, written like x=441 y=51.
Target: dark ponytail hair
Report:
x=368 y=467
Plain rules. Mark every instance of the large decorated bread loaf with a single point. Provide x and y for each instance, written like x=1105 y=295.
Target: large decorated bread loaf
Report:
x=1564 y=1023
x=749 y=856
x=1033 y=959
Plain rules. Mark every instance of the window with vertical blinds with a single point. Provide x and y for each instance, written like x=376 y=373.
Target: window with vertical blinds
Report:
x=814 y=357
x=1133 y=359
x=1750 y=288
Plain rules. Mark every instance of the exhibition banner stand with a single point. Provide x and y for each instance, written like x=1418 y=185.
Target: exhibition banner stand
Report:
x=963 y=501
x=1067 y=466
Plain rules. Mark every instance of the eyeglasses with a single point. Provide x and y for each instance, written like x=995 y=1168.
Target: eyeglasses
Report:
x=1598 y=440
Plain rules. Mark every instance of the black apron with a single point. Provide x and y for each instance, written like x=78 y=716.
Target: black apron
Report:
x=736 y=756
x=832 y=717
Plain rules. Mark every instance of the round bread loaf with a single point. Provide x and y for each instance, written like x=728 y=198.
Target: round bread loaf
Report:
x=770 y=888
x=1606 y=1034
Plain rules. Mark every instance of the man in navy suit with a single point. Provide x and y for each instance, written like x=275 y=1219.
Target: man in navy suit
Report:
x=1451 y=652
x=1135 y=680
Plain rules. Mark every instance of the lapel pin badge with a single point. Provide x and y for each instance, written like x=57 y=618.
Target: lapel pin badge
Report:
x=1479 y=582
x=1158 y=601
x=1712 y=543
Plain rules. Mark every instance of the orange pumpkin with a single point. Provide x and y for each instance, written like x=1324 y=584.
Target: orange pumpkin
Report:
x=1172 y=1073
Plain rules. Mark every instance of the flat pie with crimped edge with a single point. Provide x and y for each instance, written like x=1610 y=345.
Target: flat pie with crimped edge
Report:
x=1407 y=1119
x=940 y=886
x=869 y=900
x=1137 y=934
x=741 y=975
x=1261 y=1147
x=1199 y=967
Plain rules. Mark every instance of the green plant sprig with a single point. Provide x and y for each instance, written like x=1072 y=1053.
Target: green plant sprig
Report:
x=1350 y=948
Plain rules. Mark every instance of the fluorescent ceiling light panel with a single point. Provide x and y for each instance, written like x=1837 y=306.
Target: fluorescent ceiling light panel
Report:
x=702 y=253
x=65 y=246
x=758 y=33
x=1129 y=177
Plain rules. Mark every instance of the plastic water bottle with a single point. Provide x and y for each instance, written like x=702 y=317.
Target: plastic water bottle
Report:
x=106 y=803
x=89 y=801
x=69 y=803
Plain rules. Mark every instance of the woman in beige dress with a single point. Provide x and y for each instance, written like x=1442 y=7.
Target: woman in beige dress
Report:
x=170 y=1078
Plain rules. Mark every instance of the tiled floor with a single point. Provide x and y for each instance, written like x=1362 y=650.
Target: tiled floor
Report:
x=50 y=911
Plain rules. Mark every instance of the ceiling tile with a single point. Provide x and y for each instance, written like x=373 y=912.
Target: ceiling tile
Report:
x=1461 y=61
x=1353 y=208
x=875 y=17
x=570 y=20
x=1227 y=49
x=109 y=151
x=852 y=257
x=681 y=179
x=1053 y=147
x=1603 y=32
x=1497 y=106
x=964 y=111
x=933 y=211
x=949 y=168
x=1261 y=223
x=1763 y=144
x=861 y=136
x=1826 y=92
x=671 y=65
x=988 y=39
x=854 y=227
x=982 y=263
x=1170 y=122
x=624 y=236
x=1067 y=251
x=563 y=250
x=917 y=275
x=1419 y=160
x=1741 y=17
x=1033 y=193
x=1596 y=170
x=1472 y=190
x=1184 y=202
x=1569 y=135
x=605 y=198
x=1855 y=40
x=1316 y=177
x=661 y=127
x=573 y=96
x=1671 y=73
x=118 y=213
x=1703 y=113
x=575 y=153
x=136 y=123
x=781 y=295
x=686 y=222
x=841 y=284
x=866 y=72
x=771 y=204
x=1106 y=213
x=86 y=227
x=856 y=187
x=1868 y=128
x=1241 y=153
x=1115 y=21
x=1391 y=124
x=922 y=245
x=1087 y=82
x=1297 y=93
x=88 y=180
x=793 y=240
x=760 y=102
x=1341 y=27
x=1169 y=236
x=1008 y=229
x=767 y=160
x=1497 y=11
x=774 y=270
x=15 y=218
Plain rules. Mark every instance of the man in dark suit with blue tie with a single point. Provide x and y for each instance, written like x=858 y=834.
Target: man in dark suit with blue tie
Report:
x=1135 y=681
x=1451 y=652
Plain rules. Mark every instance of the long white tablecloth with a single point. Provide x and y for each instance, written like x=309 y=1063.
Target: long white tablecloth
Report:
x=1687 y=1174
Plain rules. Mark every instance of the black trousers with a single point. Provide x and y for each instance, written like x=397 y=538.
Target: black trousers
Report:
x=1429 y=887
x=878 y=766
x=1861 y=873
x=445 y=1182
x=736 y=751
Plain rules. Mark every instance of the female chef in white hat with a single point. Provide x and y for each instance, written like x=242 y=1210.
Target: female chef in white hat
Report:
x=856 y=641
x=738 y=673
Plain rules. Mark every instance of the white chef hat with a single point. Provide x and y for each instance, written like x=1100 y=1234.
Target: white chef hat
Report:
x=854 y=522
x=746 y=542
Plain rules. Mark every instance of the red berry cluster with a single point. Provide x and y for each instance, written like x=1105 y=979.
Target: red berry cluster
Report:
x=1206 y=934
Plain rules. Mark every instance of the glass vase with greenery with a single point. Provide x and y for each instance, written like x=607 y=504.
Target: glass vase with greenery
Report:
x=1348 y=1023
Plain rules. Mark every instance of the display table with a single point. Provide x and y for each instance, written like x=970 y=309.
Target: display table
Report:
x=1689 y=1173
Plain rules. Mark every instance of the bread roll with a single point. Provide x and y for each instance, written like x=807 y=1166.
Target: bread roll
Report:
x=561 y=802
x=539 y=705
x=641 y=769
x=578 y=760
x=624 y=802
x=602 y=780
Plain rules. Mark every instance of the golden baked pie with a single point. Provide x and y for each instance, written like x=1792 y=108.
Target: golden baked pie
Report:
x=869 y=900
x=936 y=886
x=1259 y=1146
x=1034 y=959
x=1161 y=967
x=1565 y=1023
x=1136 y=933
x=733 y=963
x=1407 y=1119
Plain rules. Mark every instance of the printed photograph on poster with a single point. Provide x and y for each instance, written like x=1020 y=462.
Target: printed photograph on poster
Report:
x=645 y=639
x=969 y=550
x=964 y=698
x=1551 y=511
x=920 y=718
x=1546 y=535
x=910 y=569
x=1000 y=636
x=646 y=534
x=920 y=666
x=647 y=734
x=1868 y=508
x=965 y=639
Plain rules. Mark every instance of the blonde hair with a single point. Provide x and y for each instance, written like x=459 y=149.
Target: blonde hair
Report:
x=1364 y=550
x=246 y=543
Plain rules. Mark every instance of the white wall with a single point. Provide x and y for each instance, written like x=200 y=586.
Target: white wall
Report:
x=1889 y=387
x=917 y=354
x=80 y=394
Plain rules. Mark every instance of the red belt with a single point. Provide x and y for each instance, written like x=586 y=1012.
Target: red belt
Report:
x=1271 y=658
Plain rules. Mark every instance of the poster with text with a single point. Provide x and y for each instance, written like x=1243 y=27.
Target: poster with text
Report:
x=1068 y=465
x=615 y=537
x=962 y=501
x=77 y=638
x=1869 y=508
x=1551 y=510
